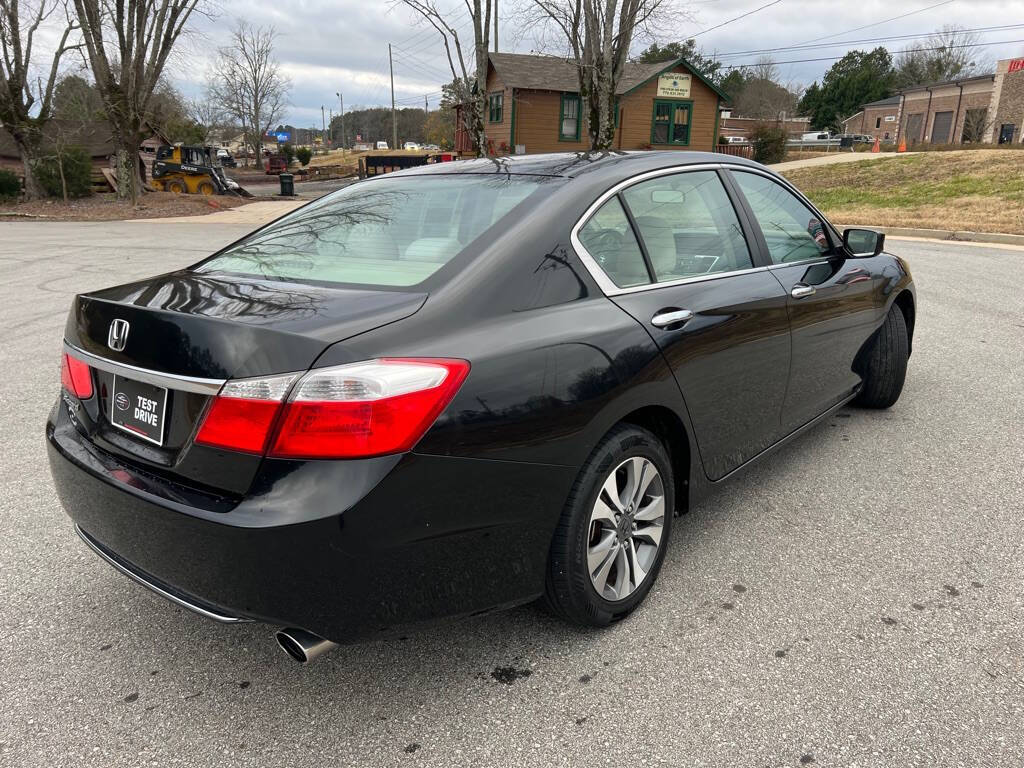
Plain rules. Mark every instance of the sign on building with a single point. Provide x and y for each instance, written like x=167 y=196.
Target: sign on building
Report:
x=1016 y=65
x=674 y=86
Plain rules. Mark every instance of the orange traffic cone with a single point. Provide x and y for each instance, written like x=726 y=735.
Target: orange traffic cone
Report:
x=903 y=146
x=878 y=145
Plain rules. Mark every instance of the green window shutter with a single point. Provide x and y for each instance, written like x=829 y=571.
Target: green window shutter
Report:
x=495 y=106
x=569 y=118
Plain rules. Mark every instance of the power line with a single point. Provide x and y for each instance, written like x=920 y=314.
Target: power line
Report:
x=999 y=28
x=877 y=23
x=836 y=58
x=741 y=16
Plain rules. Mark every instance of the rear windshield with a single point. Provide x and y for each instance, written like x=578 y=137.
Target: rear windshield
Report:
x=389 y=232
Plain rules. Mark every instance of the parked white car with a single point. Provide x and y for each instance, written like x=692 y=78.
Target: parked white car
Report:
x=382 y=145
x=411 y=145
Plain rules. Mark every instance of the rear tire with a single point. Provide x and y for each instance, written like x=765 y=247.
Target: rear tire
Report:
x=885 y=367
x=611 y=539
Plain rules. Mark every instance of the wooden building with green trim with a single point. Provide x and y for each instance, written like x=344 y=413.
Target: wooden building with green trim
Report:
x=533 y=105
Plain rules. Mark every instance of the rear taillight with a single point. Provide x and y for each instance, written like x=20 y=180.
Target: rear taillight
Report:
x=241 y=416
x=75 y=377
x=358 y=410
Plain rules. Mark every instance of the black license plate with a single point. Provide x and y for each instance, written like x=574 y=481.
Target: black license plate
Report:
x=139 y=408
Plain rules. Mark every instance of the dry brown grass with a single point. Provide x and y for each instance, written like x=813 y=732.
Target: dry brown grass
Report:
x=971 y=190
x=106 y=207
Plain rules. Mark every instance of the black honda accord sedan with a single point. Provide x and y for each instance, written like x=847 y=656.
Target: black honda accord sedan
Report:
x=464 y=387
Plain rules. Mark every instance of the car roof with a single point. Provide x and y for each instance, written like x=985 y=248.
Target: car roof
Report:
x=573 y=164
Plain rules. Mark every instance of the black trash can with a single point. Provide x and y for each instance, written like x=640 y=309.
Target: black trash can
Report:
x=287 y=184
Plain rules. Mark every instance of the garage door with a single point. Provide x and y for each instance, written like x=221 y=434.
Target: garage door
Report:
x=914 y=123
x=942 y=127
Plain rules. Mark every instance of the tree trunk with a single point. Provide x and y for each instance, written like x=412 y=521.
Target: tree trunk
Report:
x=63 y=181
x=33 y=191
x=129 y=182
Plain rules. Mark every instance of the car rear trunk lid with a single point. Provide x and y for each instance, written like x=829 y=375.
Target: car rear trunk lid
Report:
x=186 y=333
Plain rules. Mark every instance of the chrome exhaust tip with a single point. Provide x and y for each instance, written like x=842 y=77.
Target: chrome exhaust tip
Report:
x=301 y=645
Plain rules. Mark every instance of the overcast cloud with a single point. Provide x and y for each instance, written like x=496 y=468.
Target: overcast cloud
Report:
x=327 y=46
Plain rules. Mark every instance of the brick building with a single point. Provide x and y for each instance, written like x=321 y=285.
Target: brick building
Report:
x=877 y=119
x=987 y=109
x=533 y=105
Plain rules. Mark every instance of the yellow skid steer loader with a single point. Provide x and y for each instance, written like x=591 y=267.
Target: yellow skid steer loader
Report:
x=193 y=171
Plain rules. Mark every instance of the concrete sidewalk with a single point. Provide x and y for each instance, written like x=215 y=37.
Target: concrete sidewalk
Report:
x=838 y=157
x=254 y=214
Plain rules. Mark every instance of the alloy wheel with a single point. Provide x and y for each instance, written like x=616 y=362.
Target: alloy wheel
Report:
x=626 y=525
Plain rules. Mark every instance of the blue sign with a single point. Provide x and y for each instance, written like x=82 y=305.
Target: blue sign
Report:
x=279 y=136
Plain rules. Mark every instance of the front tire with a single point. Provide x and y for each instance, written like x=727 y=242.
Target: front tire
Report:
x=613 y=533
x=885 y=367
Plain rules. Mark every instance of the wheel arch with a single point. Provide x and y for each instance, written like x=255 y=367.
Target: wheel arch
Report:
x=666 y=425
x=905 y=301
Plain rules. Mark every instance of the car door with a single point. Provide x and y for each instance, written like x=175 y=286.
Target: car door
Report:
x=671 y=250
x=834 y=302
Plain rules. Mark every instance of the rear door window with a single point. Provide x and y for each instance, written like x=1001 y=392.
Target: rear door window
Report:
x=610 y=241
x=386 y=232
x=688 y=225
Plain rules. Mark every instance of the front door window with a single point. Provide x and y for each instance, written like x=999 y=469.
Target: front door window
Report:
x=792 y=231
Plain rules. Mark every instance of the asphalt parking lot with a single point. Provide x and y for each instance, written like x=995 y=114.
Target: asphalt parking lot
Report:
x=855 y=600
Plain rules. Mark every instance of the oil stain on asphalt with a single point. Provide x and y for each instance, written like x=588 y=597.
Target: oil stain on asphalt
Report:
x=509 y=675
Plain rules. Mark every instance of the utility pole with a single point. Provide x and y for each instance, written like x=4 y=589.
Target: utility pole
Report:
x=341 y=98
x=330 y=122
x=394 y=116
x=495 y=12
x=426 y=109
x=323 y=128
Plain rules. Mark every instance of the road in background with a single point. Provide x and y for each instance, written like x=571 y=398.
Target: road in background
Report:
x=854 y=600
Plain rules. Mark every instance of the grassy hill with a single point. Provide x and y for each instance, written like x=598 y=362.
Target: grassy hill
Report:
x=976 y=190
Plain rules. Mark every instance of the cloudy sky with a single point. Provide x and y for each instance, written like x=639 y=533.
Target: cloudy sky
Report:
x=327 y=46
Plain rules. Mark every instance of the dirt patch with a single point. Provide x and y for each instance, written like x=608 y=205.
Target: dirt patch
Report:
x=972 y=190
x=106 y=207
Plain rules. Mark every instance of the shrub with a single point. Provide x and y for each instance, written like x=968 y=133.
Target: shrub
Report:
x=769 y=142
x=305 y=154
x=289 y=152
x=77 y=173
x=10 y=185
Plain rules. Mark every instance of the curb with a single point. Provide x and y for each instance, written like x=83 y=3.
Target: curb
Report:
x=950 y=235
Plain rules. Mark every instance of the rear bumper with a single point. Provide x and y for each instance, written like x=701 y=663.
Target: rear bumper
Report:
x=433 y=538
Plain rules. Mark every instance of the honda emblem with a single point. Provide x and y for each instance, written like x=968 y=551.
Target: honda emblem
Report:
x=118 y=335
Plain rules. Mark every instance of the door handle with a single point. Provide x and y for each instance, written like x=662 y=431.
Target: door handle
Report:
x=671 y=317
x=800 y=290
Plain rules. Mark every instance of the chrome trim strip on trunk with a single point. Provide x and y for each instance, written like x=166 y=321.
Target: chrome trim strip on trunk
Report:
x=221 y=617
x=168 y=380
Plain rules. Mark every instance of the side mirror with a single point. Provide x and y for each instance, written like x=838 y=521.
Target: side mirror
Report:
x=863 y=242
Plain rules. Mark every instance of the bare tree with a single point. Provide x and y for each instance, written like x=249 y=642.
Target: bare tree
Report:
x=947 y=54
x=25 y=107
x=248 y=82
x=128 y=43
x=763 y=95
x=977 y=126
x=207 y=113
x=473 y=102
x=599 y=34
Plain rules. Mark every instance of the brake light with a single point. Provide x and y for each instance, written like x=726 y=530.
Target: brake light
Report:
x=358 y=410
x=366 y=409
x=241 y=416
x=76 y=377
